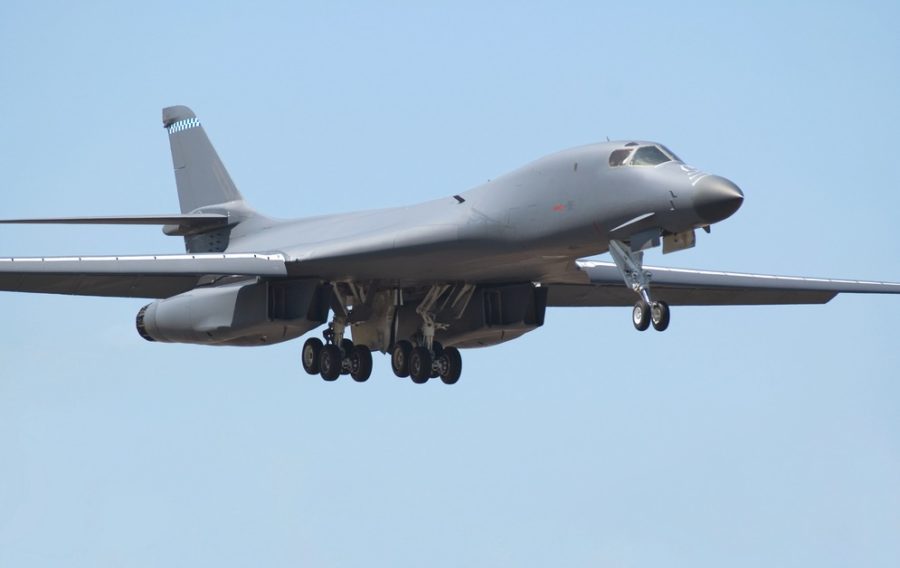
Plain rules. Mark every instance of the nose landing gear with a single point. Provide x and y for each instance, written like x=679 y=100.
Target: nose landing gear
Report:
x=631 y=266
x=644 y=315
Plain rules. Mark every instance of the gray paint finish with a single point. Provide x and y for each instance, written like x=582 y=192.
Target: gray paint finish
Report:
x=142 y=276
x=472 y=269
x=707 y=288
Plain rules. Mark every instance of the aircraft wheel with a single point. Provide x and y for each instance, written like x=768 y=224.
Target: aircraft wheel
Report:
x=310 y=355
x=400 y=358
x=451 y=367
x=640 y=316
x=346 y=350
x=659 y=315
x=437 y=350
x=330 y=362
x=420 y=365
x=360 y=363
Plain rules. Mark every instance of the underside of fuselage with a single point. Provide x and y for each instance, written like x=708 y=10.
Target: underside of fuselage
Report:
x=423 y=281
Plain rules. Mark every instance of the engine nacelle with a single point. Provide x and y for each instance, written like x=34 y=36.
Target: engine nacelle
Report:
x=240 y=313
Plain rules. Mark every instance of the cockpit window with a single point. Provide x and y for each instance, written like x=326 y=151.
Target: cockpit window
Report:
x=643 y=156
x=618 y=157
x=670 y=153
x=649 y=156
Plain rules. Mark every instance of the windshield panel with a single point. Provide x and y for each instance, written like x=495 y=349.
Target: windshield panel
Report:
x=618 y=157
x=649 y=156
x=670 y=153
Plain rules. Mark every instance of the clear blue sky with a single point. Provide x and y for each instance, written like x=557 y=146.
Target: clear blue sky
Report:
x=740 y=437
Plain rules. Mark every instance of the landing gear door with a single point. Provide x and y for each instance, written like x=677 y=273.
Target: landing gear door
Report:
x=679 y=241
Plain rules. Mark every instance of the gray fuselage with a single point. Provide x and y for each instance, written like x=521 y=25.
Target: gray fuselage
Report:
x=527 y=225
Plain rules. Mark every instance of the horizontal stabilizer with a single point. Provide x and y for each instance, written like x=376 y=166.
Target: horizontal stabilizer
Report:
x=176 y=224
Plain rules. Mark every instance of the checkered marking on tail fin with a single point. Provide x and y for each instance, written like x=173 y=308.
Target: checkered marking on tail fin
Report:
x=183 y=125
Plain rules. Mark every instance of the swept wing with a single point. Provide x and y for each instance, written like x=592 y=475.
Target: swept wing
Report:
x=144 y=276
x=689 y=287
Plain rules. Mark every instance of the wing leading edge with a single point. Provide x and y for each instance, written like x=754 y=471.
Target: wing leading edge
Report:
x=158 y=276
x=706 y=288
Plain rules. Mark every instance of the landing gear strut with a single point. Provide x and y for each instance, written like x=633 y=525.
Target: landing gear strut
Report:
x=428 y=359
x=337 y=355
x=631 y=267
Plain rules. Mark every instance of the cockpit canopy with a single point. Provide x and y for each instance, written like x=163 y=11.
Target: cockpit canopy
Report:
x=641 y=155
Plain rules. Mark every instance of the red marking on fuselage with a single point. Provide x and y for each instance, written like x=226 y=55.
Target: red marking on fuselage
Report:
x=559 y=207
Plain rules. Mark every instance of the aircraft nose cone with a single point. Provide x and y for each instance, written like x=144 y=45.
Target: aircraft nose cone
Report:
x=716 y=198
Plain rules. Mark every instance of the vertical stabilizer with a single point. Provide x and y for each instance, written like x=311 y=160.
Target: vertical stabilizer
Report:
x=200 y=176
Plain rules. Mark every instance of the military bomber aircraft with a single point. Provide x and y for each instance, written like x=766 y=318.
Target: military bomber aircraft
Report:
x=424 y=281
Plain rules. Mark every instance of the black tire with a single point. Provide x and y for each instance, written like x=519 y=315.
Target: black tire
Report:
x=420 y=365
x=640 y=316
x=330 y=362
x=346 y=350
x=452 y=368
x=360 y=363
x=437 y=350
x=310 y=355
x=400 y=358
x=659 y=316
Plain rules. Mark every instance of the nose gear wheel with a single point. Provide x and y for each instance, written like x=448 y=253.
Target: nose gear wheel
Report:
x=640 y=316
x=659 y=315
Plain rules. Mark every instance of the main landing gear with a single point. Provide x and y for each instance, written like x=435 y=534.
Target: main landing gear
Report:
x=646 y=311
x=420 y=364
x=419 y=357
x=337 y=355
x=335 y=358
x=331 y=360
x=428 y=359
